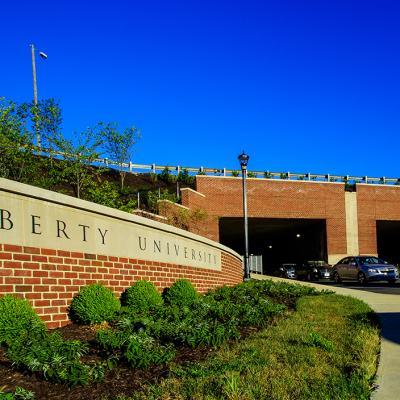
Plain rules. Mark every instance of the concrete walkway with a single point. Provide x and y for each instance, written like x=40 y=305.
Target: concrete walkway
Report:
x=387 y=307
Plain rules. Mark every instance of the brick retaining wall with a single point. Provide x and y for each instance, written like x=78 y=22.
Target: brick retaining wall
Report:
x=50 y=278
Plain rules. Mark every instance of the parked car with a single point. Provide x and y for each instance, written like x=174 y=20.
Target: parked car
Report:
x=287 y=271
x=364 y=269
x=314 y=270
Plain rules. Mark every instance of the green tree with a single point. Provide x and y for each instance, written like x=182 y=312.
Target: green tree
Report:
x=49 y=123
x=18 y=155
x=119 y=145
x=78 y=157
x=16 y=149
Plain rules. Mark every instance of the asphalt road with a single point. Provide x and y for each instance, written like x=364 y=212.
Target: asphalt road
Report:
x=379 y=287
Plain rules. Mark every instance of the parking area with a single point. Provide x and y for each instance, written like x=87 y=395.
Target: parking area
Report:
x=277 y=240
x=378 y=287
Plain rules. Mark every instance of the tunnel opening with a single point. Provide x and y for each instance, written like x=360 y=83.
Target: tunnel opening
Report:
x=277 y=240
x=387 y=235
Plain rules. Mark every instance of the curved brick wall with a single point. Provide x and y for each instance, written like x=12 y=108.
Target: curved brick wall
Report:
x=50 y=275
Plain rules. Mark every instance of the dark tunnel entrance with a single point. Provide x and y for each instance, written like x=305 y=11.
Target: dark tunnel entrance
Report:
x=388 y=240
x=277 y=240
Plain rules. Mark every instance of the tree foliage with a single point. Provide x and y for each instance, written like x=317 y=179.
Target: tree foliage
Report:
x=118 y=145
x=77 y=158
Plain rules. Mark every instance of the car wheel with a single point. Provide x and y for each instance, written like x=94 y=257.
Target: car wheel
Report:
x=336 y=277
x=362 y=280
x=308 y=278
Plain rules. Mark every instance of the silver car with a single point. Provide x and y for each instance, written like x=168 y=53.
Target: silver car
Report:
x=364 y=269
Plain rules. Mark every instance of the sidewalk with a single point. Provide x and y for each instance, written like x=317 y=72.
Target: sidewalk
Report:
x=387 y=307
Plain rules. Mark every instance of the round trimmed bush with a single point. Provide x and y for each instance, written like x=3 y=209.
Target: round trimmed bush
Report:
x=94 y=304
x=142 y=297
x=17 y=317
x=182 y=293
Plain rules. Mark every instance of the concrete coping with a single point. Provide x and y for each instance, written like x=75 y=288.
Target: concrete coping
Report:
x=34 y=192
x=194 y=191
x=171 y=202
x=138 y=211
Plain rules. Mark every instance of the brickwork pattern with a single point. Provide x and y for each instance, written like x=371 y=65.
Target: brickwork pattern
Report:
x=274 y=199
x=50 y=278
x=375 y=203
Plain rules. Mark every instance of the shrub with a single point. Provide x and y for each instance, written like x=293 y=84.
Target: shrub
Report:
x=94 y=304
x=182 y=293
x=17 y=317
x=142 y=297
x=104 y=193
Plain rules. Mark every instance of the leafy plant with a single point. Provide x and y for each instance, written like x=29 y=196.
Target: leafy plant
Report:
x=94 y=304
x=166 y=176
x=251 y=174
x=185 y=178
x=17 y=317
x=104 y=193
x=151 y=198
x=284 y=175
x=19 y=394
x=138 y=349
x=267 y=175
x=142 y=297
x=54 y=358
x=182 y=293
x=235 y=173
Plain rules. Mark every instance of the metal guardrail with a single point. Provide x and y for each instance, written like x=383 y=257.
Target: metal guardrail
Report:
x=154 y=168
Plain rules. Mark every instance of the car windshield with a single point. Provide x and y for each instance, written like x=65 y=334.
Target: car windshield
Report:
x=370 y=260
x=288 y=267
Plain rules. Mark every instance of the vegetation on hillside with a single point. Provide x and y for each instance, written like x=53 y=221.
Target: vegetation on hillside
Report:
x=68 y=164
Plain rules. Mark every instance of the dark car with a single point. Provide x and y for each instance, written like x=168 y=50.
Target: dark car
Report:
x=364 y=269
x=314 y=270
x=287 y=271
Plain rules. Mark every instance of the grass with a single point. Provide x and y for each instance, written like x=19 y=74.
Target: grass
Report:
x=326 y=349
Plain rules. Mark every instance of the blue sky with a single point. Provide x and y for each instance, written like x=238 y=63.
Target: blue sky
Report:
x=301 y=86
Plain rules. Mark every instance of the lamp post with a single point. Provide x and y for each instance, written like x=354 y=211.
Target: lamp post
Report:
x=243 y=159
x=35 y=91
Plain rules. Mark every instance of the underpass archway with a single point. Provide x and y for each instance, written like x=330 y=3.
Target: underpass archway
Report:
x=388 y=240
x=278 y=240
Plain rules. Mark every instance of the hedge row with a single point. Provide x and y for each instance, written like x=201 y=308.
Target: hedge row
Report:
x=145 y=329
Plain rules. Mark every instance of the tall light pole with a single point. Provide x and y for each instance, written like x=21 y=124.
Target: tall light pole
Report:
x=35 y=91
x=243 y=159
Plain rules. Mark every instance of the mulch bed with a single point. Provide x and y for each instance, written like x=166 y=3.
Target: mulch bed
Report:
x=122 y=380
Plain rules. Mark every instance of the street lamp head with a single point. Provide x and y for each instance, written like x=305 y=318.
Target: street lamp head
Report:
x=43 y=55
x=243 y=159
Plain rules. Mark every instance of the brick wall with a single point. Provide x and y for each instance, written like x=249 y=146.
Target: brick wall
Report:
x=375 y=202
x=50 y=278
x=273 y=199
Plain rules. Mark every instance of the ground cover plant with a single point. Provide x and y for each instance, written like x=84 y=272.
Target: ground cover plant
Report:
x=327 y=349
x=163 y=348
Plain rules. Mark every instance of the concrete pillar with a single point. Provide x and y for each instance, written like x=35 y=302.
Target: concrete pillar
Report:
x=351 y=223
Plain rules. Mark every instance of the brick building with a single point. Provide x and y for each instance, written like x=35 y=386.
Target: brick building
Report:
x=293 y=220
